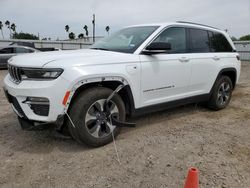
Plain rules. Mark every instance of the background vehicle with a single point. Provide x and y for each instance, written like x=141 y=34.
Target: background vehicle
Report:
x=32 y=45
x=10 y=51
x=139 y=69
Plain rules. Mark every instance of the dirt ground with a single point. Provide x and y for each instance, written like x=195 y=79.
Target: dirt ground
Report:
x=157 y=153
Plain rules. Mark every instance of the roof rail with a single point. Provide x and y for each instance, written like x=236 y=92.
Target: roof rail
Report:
x=197 y=24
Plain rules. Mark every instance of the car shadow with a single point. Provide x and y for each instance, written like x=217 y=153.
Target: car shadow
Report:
x=165 y=115
x=45 y=141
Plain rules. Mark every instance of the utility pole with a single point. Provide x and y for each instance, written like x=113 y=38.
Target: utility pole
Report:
x=93 y=22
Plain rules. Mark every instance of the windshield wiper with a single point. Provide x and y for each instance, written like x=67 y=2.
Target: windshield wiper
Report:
x=100 y=49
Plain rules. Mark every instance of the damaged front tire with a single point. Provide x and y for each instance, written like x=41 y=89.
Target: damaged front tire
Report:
x=91 y=118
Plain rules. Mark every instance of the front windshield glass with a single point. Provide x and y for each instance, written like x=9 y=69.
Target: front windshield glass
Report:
x=126 y=40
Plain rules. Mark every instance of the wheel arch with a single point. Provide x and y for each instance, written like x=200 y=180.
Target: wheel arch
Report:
x=108 y=82
x=231 y=73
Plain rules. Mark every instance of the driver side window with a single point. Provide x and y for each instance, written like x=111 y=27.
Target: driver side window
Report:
x=176 y=36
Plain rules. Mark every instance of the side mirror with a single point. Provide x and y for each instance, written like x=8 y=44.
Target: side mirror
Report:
x=157 y=47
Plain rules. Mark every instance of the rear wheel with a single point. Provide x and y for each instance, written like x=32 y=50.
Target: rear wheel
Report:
x=92 y=120
x=221 y=93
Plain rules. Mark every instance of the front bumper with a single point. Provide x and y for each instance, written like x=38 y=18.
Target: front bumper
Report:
x=53 y=90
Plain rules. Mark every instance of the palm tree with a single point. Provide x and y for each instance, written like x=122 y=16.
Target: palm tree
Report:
x=7 y=23
x=13 y=27
x=67 y=28
x=86 y=30
x=1 y=28
x=81 y=36
x=72 y=35
x=107 y=29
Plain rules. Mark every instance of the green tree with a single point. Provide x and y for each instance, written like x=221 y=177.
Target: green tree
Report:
x=246 y=37
x=1 y=28
x=27 y=36
x=107 y=29
x=72 y=35
x=86 y=30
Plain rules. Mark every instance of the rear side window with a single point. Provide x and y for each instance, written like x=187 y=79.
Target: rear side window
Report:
x=199 y=42
x=23 y=50
x=219 y=43
x=176 y=36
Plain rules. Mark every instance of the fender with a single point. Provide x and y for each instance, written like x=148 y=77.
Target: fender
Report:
x=224 y=70
x=91 y=80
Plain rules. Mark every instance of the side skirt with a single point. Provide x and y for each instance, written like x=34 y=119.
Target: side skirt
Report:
x=171 y=104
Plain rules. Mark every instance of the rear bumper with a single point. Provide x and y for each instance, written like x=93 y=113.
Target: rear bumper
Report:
x=53 y=90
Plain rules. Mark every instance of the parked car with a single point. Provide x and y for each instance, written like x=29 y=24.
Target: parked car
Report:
x=10 y=51
x=22 y=43
x=138 y=69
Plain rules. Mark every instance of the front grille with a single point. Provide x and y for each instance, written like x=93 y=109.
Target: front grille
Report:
x=15 y=73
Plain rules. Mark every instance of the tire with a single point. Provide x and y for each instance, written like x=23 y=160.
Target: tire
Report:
x=92 y=126
x=221 y=93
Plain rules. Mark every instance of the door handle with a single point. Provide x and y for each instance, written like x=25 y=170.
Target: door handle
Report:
x=216 y=58
x=184 y=60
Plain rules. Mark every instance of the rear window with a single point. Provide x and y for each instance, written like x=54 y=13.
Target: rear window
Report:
x=219 y=43
x=23 y=50
x=199 y=42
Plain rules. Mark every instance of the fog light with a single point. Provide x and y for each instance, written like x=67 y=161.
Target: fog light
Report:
x=39 y=105
x=36 y=100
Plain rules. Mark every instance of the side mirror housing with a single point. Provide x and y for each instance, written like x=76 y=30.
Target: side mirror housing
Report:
x=157 y=47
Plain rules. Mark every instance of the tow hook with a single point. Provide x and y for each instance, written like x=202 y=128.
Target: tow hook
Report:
x=114 y=121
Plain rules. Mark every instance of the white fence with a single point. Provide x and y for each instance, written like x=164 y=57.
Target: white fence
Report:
x=243 y=47
x=64 y=45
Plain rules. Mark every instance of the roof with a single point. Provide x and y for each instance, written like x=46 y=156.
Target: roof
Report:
x=181 y=23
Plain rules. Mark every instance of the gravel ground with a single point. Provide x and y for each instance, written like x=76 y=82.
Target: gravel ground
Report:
x=157 y=153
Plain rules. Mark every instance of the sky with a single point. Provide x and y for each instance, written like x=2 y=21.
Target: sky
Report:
x=49 y=17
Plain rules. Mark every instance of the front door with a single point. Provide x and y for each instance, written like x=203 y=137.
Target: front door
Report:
x=165 y=77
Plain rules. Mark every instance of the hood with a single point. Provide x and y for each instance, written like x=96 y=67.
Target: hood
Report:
x=68 y=58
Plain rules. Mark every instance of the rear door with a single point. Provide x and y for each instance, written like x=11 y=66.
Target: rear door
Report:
x=208 y=50
x=203 y=62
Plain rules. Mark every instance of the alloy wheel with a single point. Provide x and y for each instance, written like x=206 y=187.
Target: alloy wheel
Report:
x=224 y=93
x=97 y=119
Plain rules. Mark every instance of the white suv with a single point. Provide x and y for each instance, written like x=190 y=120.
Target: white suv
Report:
x=138 y=69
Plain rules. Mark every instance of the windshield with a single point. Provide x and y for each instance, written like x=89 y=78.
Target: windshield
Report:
x=126 y=40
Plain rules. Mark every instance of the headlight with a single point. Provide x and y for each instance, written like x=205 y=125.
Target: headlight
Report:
x=47 y=74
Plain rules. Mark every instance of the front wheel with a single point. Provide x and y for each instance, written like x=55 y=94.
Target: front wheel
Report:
x=91 y=118
x=221 y=93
